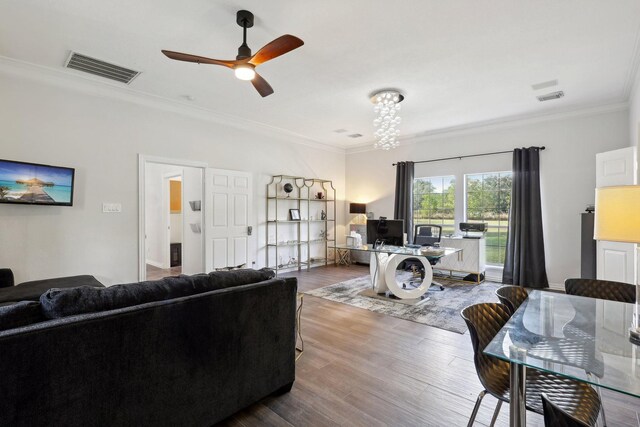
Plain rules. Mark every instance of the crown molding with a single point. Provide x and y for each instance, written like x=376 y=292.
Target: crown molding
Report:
x=105 y=89
x=498 y=124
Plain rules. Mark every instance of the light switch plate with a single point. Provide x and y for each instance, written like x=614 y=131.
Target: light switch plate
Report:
x=111 y=207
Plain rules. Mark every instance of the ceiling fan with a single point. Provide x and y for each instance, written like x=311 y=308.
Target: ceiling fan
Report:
x=245 y=63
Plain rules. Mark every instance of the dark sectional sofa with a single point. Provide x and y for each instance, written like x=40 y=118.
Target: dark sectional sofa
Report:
x=182 y=351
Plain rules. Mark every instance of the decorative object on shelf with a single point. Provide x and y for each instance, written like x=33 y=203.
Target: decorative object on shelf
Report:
x=319 y=195
x=294 y=214
x=196 y=205
x=387 y=108
x=323 y=215
x=288 y=188
x=617 y=220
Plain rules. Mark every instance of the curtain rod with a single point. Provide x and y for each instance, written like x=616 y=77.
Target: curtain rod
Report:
x=470 y=155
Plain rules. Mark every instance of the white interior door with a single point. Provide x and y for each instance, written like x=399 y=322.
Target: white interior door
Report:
x=228 y=217
x=616 y=261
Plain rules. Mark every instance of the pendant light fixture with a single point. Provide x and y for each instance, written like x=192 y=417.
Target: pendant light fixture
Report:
x=387 y=108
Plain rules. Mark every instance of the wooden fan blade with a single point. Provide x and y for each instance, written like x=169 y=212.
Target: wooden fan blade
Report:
x=179 y=56
x=276 y=48
x=261 y=85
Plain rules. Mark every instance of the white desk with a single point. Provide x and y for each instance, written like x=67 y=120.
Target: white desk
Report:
x=385 y=260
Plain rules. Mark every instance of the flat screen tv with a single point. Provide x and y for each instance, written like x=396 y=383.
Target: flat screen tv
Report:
x=390 y=231
x=35 y=184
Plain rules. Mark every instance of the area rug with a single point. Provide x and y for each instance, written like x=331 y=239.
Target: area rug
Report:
x=442 y=310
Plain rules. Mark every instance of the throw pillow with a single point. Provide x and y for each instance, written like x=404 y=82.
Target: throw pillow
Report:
x=58 y=303
x=20 y=314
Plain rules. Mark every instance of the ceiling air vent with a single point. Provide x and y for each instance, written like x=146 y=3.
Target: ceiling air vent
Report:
x=550 y=96
x=100 y=68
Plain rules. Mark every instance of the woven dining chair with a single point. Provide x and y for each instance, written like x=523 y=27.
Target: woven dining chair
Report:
x=576 y=398
x=512 y=296
x=601 y=289
x=555 y=416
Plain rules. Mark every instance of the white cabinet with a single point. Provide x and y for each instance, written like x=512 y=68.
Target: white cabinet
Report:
x=472 y=258
x=359 y=256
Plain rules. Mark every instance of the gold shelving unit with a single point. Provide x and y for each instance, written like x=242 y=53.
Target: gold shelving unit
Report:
x=305 y=243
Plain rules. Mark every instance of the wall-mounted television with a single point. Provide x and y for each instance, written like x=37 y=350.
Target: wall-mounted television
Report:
x=35 y=184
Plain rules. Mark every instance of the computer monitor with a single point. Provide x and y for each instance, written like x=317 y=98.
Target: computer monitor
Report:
x=391 y=231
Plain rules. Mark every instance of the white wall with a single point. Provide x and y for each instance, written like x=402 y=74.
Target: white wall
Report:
x=101 y=137
x=192 y=242
x=567 y=171
x=175 y=222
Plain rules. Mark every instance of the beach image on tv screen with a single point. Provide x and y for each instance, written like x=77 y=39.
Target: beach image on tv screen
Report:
x=26 y=183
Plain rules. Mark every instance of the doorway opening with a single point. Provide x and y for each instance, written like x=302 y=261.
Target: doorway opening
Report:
x=171 y=194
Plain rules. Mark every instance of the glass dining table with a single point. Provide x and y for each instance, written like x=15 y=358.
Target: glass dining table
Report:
x=586 y=339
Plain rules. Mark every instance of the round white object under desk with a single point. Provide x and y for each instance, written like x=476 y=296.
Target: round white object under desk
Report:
x=377 y=267
x=396 y=287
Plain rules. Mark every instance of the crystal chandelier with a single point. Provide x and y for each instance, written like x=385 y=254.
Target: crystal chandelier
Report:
x=387 y=108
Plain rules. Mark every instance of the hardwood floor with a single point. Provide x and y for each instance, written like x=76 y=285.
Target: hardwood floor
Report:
x=155 y=273
x=361 y=368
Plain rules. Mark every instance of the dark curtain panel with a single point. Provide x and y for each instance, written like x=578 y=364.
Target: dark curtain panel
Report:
x=403 y=207
x=524 y=263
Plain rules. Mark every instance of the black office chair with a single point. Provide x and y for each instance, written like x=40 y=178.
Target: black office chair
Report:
x=576 y=398
x=601 y=289
x=424 y=235
x=427 y=234
x=555 y=416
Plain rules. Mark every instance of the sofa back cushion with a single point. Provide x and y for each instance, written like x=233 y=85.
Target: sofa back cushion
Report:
x=20 y=314
x=58 y=303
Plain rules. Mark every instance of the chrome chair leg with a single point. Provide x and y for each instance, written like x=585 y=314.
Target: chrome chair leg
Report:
x=495 y=413
x=476 y=407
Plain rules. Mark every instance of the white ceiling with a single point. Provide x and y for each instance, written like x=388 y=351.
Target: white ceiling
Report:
x=458 y=62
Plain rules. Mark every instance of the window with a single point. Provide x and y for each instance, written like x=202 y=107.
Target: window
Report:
x=488 y=196
x=434 y=202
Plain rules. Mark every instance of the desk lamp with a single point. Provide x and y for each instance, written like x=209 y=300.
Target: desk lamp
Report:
x=358 y=208
x=618 y=220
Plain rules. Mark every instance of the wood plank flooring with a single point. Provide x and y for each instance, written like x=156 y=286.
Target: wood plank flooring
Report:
x=361 y=368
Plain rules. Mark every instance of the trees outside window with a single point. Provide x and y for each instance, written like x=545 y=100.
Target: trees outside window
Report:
x=488 y=197
x=434 y=202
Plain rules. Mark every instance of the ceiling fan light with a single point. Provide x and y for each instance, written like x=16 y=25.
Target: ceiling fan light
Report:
x=245 y=72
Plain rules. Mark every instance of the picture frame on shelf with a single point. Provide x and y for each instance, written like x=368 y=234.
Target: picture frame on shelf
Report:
x=294 y=214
